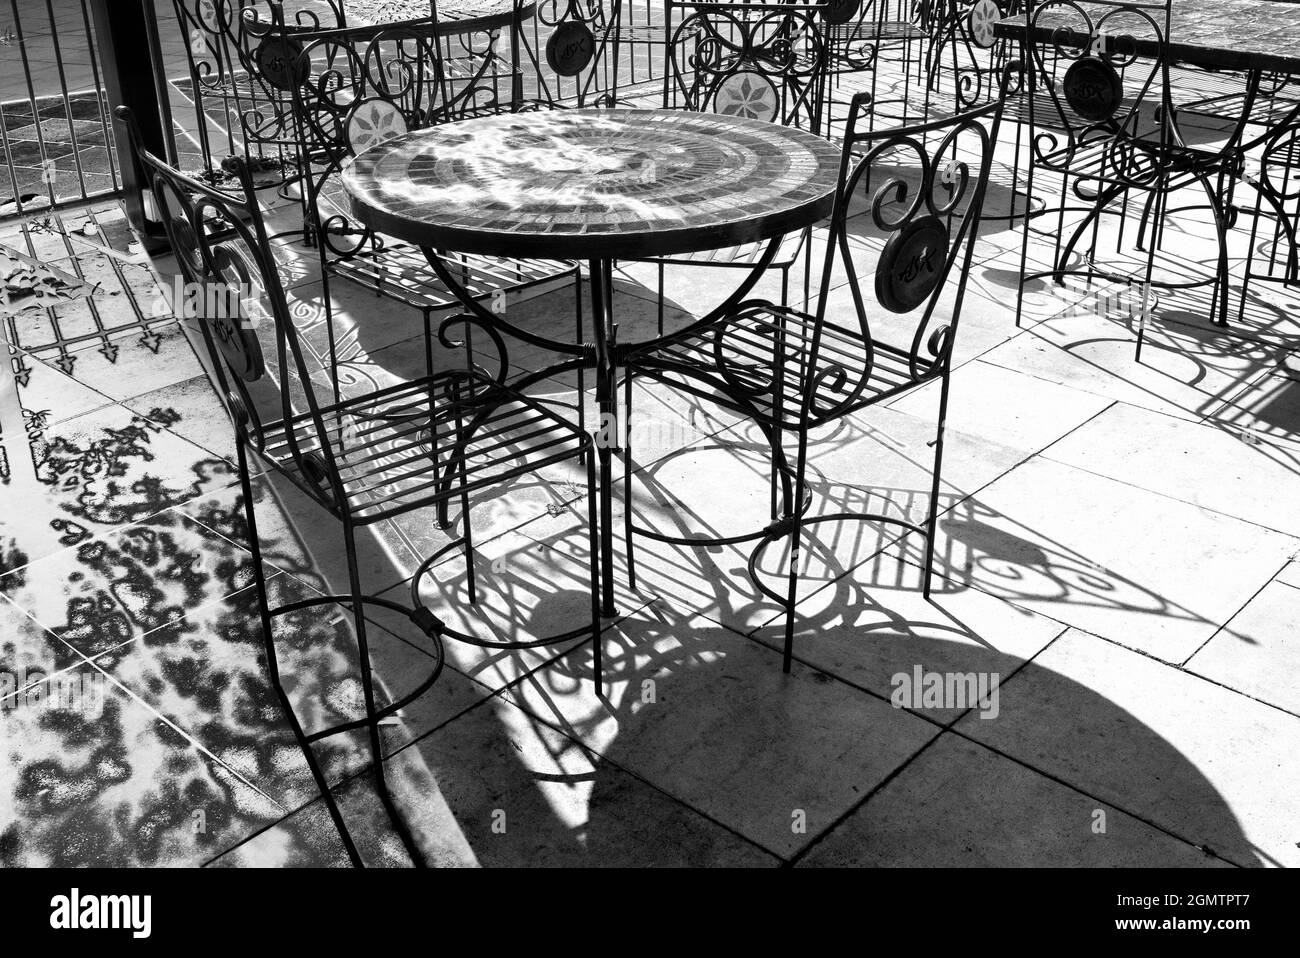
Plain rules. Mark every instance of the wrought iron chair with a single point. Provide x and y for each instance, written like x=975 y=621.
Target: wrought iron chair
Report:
x=563 y=34
x=225 y=50
x=1269 y=105
x=357 y=89
x=965 y=48
x=865 y=35
x=1110 y=130
x=632 y=46
x=791 y=371
x=596 y=52
x=763 y=61
x=1273 y=252
x=363 y=459
x=965 y=61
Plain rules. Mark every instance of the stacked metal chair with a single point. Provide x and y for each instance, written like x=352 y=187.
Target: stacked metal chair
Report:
x=791 y=371
x=363 y=458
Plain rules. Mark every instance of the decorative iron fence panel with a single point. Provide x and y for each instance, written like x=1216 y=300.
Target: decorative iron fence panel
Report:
x=55 y=131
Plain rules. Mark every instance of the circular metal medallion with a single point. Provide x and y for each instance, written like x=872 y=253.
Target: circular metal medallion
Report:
x=1093 y=89
x=570 y=48
x=911 y=264
x=840 y=11
x=279 y=61
x=747 y=94
x=238 y=344
x=373 y=122
x=983 y=15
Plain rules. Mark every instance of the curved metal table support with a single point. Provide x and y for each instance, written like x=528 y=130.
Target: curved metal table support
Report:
x=594 y=186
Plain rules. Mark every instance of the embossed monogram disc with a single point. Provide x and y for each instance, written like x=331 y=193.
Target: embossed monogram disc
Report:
x=278 y=59
x=570 y=48
x=237 y=343
x=1093 y=89
x=841 y=11
x=911 y=264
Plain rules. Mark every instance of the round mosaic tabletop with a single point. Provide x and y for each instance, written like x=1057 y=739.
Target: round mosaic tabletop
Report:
x=594 y=184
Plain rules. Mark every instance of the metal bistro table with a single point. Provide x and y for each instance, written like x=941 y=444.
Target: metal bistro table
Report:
x=594 y=185
x=1243 y=35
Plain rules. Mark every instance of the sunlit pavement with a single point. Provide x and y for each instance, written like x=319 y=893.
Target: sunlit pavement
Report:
x=1116 y=565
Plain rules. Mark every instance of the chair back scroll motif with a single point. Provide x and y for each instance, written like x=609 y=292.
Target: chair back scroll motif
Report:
x=1095 y=94
x=764 y=61
x=923 y=187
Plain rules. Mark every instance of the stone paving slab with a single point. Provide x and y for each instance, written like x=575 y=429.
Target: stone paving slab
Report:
x=1116 y=545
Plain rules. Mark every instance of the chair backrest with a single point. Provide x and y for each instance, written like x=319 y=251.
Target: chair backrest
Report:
x=232 y=290
x=764 y=61
x=353 y=89
x=572 y=53
x=923 y=187
x=225 y=44
x=1090 y=80
x=967 y=47
x=880 y=22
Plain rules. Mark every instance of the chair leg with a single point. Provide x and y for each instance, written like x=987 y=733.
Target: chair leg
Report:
x=1024 y=231
x=582 y=370
x=471 y=580
x=593 y=543
x=1219 y=308
x=627 y=480
x=428 y=342
x=368 y=693
x=661 y=299
x=329 y=332
x=796 y=534
x=792 y=591
x=273 y=666
x=932 y=516
x=778 y=412
x=807 y=269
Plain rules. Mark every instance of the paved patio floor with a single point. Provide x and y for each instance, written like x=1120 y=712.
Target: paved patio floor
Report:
x=1118 y=545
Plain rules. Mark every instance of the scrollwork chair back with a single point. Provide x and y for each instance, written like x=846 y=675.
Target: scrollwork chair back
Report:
x=923 y=187
x=221 y=247
x=1096 y=95
x=764 y=61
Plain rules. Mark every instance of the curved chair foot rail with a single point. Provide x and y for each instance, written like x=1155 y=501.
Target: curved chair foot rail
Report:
x=414 y=614
x=371 y=721
x=1035 y=206
x=782 y=527
x=702 y=541
x=1099 y=272
x=425 y=618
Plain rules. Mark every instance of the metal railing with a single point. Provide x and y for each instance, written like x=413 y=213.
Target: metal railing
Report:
x=55 y=131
